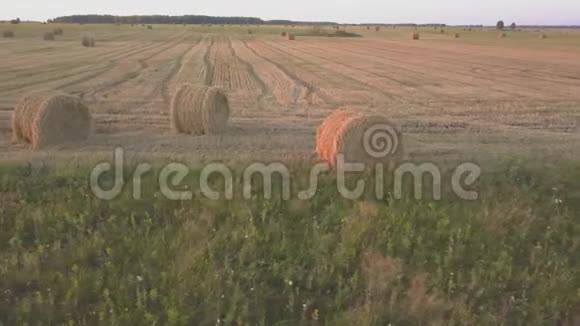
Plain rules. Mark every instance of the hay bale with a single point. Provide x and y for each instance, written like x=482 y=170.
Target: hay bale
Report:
x=291 y=37
x=149 y=27
x=250 y=31
x=48 y=36
x=57 y=31
x=502 y=35
x=8 y=34
x=442 y=31
x=88 y=41
x=377 y=28
x=344 y=131
x=457 y=35
x=199 y=110
x=415 y=35
x=543 y=36
x=50 y=119
x=283 y=34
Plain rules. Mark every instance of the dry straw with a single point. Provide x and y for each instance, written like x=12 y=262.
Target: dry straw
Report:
x=343 y=132
x=50 y=119
x=415 y=35
x=502 y=35
x=291 y=37
x=199 y=110
x=8 y=33
x=543 y=36
x=88 y=41
x=48 y=36
x=283 y=34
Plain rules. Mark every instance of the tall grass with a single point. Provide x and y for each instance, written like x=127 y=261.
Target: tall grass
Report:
x=508 y=258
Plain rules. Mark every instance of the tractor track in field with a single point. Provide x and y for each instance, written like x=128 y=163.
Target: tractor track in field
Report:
x=310 y=87
x=264 y=90
x=209 y=68
x=134 y=74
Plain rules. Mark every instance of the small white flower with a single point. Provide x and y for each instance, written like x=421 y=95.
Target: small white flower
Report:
x=139 y=278
x=290 y=283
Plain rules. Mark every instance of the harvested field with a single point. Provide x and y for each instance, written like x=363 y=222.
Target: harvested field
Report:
x=476 y=96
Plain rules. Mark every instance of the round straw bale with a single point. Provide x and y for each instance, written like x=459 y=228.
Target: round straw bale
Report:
x=291 y=37
x=50 y=119
x=415 y=35
x=543 y=36
x=199 y=110
x=48 y=36
x=502 y=35
x=457 y=35
x=359 y=138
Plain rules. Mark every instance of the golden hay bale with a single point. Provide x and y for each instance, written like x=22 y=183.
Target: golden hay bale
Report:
x=8 y=33
x=377 y=28
x=457 y=35
x=283 y=34
x=415 y=35
x=345 y=132
x=291 y=37
x=502 y=35
x=50 y=119
x=88 y=41
x=149 y=27
x=57 y=31
x=543 y=36
x=250 y=31
x=199 y=110
x=48 y=36
x=442 y=31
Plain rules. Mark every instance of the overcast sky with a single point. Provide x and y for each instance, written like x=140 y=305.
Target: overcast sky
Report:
x=530 y=12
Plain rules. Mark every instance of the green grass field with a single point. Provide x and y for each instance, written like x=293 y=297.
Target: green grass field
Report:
x=510 y=258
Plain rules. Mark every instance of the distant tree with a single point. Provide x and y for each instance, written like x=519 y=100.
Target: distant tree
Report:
x=500 y=25
x=513 y=26
x=15 y=21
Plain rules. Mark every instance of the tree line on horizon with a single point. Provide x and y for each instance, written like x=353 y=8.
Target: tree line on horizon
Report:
x=161 y=19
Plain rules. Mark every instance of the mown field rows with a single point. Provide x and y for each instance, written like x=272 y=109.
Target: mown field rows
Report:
x=457 y=94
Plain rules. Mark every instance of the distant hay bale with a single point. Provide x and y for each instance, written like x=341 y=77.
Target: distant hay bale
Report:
x=8 y=33
x=415 y=35
x=199 y=110
x=48 y=36
x=344 y=132
x=291 y=37
x=88 y=41
x=377 y=28
x=502 y=35
x=149 y=27
x=457 y=35
x=283 y=34
x=442 y=31
x=50 y=119
x=57 y=31
x=543 y=36
x=250 y=31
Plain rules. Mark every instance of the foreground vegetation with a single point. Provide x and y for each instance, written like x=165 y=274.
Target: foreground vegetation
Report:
x=509 y=258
